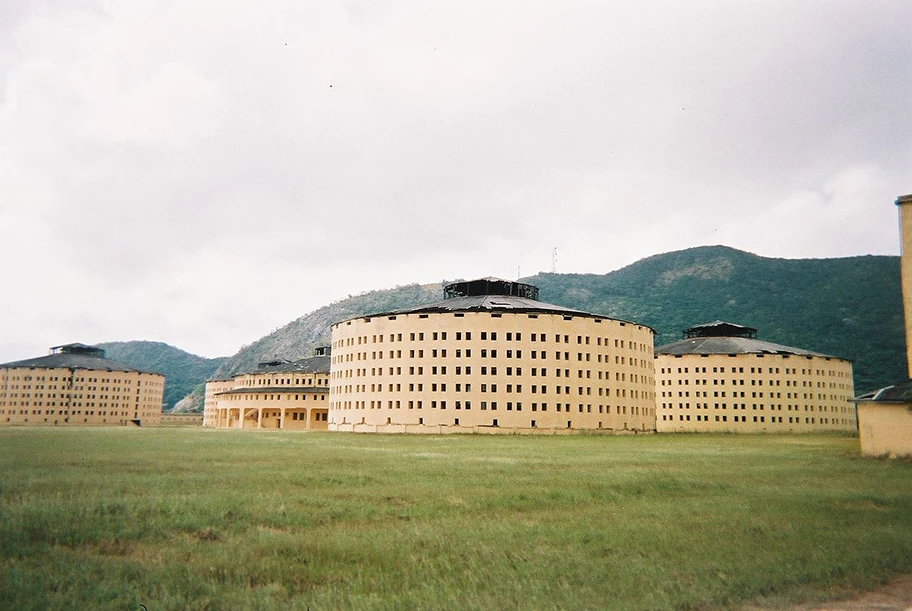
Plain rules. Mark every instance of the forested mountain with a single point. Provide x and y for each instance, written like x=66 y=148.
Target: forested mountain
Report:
x=183 y=371
x=849 y=307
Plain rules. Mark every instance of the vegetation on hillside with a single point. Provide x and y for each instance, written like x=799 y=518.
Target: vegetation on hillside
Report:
x=849 y=307
x=191 y=518
x=298 y=338
x=183 y=371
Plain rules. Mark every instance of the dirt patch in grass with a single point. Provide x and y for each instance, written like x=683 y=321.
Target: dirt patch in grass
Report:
x=895 y=595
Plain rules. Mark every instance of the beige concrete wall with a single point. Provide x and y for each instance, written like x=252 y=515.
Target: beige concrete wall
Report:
x=885 y=429
x=211 y=403
x=273 y=400
x=287 y=409
x=905 y=225
x=39 y=396
x=750 y=393
x=477 y=371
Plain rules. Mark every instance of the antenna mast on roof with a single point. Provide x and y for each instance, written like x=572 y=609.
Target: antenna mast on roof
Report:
x=554 y=260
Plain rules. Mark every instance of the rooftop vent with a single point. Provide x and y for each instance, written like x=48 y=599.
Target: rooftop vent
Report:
x=720 y=329
x=490 y=286
x=78 y=349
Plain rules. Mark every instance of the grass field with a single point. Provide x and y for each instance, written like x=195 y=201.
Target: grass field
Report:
x=186 y=518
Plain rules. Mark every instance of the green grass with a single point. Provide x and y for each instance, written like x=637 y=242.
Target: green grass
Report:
x=185 y=518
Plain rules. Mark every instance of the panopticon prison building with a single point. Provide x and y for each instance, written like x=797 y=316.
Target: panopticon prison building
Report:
x=720 y=377
x=490 y=357
x=75 y=384
x=277 y=395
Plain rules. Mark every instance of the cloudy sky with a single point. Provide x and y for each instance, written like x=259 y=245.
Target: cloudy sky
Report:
x=201 y=172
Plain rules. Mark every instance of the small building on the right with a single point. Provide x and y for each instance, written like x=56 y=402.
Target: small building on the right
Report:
x=885 y=416
x=721 y=378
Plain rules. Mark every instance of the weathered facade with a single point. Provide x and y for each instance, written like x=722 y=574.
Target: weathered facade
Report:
x=76 y=385
x=277 y=395
x=491 y=358
x=721 y=378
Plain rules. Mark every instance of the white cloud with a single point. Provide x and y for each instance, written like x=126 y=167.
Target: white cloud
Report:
x=201 y=173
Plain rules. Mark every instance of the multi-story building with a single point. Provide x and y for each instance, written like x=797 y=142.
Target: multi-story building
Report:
x=276 y=395
x=75 y=384
x=720 y=377
x=490 y=357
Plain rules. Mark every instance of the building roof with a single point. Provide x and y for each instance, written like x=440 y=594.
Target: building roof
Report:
x=732 y=345
x=719 y=328
x=493 y=295
x=311 y=364
x=273 y=389
x=720 y=337
x=897 y=393
x=72 y=356
x=489 y=286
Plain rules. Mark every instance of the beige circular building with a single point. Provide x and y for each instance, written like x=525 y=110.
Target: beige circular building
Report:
x=76 y=384
x=490 y=357
x=276 y=395
x=721 y=378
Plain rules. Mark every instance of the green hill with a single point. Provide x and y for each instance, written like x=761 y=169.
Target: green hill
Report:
x=848 y=307
x=183 y=371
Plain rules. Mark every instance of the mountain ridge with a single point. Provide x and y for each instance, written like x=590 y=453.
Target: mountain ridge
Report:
x=849 y=307
x=183 y=371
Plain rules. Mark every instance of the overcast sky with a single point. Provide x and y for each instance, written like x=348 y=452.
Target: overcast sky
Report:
x=202 y=172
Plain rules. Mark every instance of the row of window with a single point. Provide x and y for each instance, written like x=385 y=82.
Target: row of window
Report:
x=282 y=382
x=494 y=423
x=488 y=336
x=273 y=397
x=490 y=353
x=759 y=395
x=467 y=387
x=621 y=410
x=762 y=406
x=753 y=382
x=484 y=369
x=759 y=370
x=70 y=380
x=762 y=419
x=62 y=412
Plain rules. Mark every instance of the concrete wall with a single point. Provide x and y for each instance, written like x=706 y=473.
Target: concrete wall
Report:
x=477 y=371
x=885 y=429
x=211 y=404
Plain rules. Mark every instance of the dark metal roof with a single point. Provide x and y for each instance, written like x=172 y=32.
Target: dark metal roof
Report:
x=898 y=393
x=495 y=303
x=311 y=364
x=78 y=348
x=72 y=360
x=719 y=328
x=273 y=389
x=489 y=286
x=487 y=303
x=732 y=345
